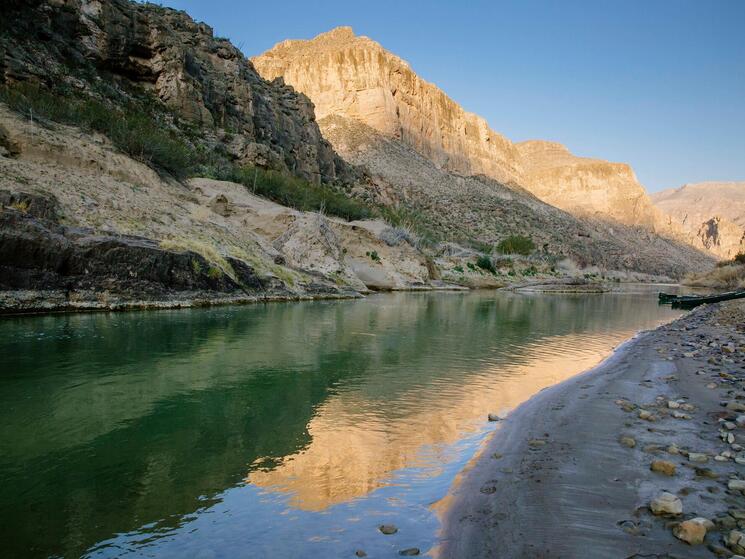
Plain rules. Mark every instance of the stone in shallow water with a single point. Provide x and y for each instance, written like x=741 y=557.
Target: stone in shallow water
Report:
x=388 y=529
x=663 y=467
x=494 y=417
x=409 y=552
x=736 y=484
x=666 y=503
x=697 y=457
x=628 y=441
x=692 y=532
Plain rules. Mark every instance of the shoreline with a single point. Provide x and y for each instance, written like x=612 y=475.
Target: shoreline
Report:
x=567 y=473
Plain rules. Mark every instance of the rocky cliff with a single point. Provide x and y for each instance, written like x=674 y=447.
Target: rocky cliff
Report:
x=355 y=77
x=586 y=186
x=711 y=213
x=426 y=153
x=118 y=49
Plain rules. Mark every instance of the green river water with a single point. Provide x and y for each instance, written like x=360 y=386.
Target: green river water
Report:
x=282 y=430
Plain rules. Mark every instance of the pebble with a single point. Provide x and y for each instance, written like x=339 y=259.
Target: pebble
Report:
x=494 y=417
x=360 y=553
x=736 y=484
x=697 y=457
x=409 y=552
x=673 y=405
x=628 y=441
x=536 y=443
x=666 y=503
x=680 y=415
x=388 y=529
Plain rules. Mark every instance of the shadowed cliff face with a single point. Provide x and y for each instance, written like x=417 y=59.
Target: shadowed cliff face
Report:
x=202 y=78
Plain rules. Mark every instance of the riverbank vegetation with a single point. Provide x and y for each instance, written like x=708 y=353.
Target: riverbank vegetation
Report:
x=728 y=274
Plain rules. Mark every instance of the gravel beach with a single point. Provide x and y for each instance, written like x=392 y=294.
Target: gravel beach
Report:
x=639 y=457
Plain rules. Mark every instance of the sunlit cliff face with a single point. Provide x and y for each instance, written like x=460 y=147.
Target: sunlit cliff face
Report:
x=356 y=446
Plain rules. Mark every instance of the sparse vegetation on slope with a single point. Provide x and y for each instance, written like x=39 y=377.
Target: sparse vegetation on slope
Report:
x=516 y=244
x=131 y=128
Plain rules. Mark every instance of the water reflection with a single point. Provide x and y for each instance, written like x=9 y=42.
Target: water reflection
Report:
x=279 y=427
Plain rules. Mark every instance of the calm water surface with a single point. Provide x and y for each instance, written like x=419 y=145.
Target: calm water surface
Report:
x=284 y=431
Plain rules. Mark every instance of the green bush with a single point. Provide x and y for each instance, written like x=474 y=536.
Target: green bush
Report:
x=373 y=255
x=458 y=269
x=516 y=244
x=485 y=263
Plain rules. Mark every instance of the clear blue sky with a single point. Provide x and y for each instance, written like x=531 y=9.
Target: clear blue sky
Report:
x=659 y=84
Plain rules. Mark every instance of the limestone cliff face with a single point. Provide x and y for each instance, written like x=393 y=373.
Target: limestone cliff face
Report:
x=586 y=186
x=202 y=78
x=355 y=77
x=712 y=214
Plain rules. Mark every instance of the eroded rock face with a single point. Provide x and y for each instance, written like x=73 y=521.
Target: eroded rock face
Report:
x=712 y=214
x=356 y=77
x=586 y=186
x=203 y=78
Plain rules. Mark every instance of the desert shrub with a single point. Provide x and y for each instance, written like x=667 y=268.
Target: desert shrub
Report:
x=471 y=267
x=373 y=255
x=485 y=263
x=729 y=276
x=394 y=236
x=214 y=273
x=516 y=244
x=458 y=269
x=295 y=192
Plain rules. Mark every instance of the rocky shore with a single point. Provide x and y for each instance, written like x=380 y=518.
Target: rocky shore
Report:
x=643 y=456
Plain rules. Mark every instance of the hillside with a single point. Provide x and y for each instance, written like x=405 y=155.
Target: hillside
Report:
x=146 y=162
x=711 y=213
x=379 y=97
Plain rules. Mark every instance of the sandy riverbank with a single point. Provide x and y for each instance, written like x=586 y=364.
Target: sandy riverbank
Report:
x=568 y=473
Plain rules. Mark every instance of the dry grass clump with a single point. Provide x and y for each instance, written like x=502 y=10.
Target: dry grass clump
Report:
x=218 y=263
x=728 y=276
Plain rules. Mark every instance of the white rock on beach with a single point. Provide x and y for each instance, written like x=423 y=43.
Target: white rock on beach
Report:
x=736 y=484
x=666 y=503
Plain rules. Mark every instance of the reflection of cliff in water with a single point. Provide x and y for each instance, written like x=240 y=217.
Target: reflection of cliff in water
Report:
x=337 y=394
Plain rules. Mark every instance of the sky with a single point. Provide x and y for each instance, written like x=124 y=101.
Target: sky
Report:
x=658 y=84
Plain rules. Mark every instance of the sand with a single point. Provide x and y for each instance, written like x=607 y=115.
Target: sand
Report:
x=556 y=481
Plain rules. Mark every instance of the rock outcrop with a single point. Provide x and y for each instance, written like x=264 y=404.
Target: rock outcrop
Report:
x=462 y=179
x=202 y=78
x=356 y=77
x=586 y=186
x=711 y=213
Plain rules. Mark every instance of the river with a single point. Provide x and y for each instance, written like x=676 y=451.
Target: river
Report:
x=287 y=430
